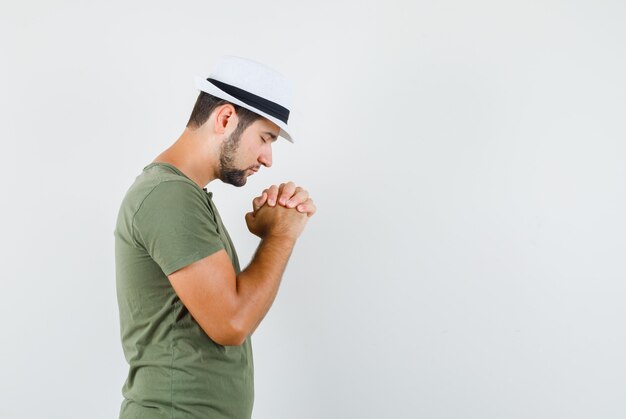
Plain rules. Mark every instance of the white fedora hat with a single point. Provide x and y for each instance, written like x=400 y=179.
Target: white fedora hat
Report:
x=253 y=86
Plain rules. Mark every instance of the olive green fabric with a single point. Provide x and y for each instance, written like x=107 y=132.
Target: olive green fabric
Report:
x=166 y=221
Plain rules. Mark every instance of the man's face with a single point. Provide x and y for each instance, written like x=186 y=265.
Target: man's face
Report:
x=243 y=153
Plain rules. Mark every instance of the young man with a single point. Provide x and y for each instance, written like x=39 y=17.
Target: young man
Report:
x=187 y=310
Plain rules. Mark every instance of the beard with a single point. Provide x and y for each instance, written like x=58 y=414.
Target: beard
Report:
x=228 y=172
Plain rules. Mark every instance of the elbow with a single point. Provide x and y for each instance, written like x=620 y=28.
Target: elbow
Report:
x=238 y=336
x=232 y=340
x=229 y=336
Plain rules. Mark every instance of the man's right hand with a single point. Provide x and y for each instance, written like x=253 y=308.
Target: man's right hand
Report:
x=276 y=221
x=288 y=195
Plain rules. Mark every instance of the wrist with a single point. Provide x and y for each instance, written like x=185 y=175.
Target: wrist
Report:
x=284 y=239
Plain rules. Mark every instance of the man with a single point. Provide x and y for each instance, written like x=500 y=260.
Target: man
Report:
x=187 y=310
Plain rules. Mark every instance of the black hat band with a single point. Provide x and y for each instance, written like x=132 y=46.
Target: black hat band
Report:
x=267 y=106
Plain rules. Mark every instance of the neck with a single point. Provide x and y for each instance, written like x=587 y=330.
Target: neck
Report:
x=195 y=154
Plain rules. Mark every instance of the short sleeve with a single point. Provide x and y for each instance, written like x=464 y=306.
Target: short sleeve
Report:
x=175 y=225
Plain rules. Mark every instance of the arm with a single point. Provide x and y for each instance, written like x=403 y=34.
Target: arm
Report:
x=258 y=284
x=229 y=307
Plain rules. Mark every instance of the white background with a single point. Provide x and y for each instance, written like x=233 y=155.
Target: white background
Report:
x=467 y=159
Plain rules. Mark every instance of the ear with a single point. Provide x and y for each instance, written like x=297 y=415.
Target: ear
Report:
x=225 y=115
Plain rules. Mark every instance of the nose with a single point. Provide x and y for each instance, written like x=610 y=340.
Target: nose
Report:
x=266 y=156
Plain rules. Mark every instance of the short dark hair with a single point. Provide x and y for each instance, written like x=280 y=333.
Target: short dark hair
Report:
x=206 y=104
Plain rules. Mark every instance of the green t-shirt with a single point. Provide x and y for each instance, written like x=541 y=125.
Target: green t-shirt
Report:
x=166 y=221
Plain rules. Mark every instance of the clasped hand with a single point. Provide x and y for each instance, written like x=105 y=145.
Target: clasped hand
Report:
x=268 y=219
x=288 y=195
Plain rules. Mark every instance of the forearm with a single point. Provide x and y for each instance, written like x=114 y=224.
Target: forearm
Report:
x=257 y=285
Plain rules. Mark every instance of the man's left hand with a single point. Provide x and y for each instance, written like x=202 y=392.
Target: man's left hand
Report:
x=288 y=195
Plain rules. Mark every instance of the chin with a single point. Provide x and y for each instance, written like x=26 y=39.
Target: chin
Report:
x=234 y=177
x=238 y=182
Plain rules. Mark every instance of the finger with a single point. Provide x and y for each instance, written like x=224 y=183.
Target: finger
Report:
x=308 y=207
x=287 y=192
x=300 y=197
x=249 y=219
x=280 y=190
x=272 y=195
x=259 y=201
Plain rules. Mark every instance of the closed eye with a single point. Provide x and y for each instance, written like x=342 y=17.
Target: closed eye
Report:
x=273 y=136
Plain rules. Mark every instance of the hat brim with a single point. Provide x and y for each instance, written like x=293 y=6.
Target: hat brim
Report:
x=208 y=87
